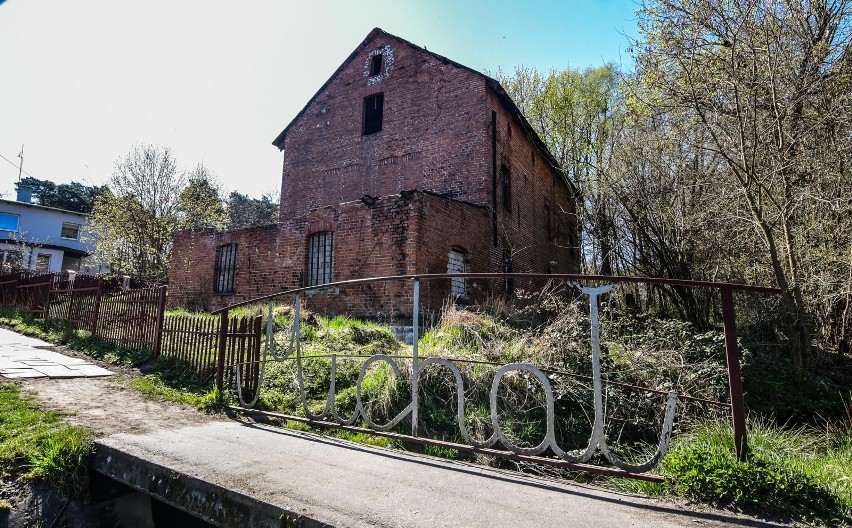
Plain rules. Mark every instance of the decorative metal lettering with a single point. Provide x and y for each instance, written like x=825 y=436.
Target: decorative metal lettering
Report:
x=597 y=441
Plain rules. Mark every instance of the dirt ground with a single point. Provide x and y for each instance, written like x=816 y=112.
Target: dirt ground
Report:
x=108 y=405
x=103 y=406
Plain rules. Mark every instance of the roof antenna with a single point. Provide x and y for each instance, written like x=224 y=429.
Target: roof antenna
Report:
x=21 y=165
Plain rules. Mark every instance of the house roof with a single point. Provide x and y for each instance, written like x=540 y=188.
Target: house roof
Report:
x=492 y=84
x=39 y=206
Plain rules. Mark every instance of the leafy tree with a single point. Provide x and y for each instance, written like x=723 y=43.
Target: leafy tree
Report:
x=69 y=196
x=135 y=220
x=577 y=114
x=244 y=211
x=201 y=201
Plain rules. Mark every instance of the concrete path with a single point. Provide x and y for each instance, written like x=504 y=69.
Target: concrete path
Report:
x=27 y=357
x=245 y=474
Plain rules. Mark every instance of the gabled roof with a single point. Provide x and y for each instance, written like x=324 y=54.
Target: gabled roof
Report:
x=492 y=84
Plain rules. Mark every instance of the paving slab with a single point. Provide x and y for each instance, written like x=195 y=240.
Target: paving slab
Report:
x=238 y=474
x=26 y=357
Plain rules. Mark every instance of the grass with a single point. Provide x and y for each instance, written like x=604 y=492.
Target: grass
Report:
x=170 y=380
x=800 y=466
x=35 y=445
x=80 y=340
x=798 y=474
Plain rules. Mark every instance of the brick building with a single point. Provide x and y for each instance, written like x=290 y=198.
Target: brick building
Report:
x=403 y=162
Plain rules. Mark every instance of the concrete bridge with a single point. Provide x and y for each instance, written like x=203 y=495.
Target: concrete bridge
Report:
x=213 y=471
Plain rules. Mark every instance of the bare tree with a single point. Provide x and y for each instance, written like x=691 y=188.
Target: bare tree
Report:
x=767 y=81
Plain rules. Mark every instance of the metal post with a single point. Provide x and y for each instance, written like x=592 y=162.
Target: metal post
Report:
x=735 y=380
x=161 y=315
x=97 y=310
x=220 y=357
x=415 y=365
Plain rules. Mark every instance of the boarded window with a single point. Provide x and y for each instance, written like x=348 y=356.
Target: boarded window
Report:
x=457 y=263
x=70 y=230
x=373 y=113
x=226 y=268
x=320 y=258
x=506 y=178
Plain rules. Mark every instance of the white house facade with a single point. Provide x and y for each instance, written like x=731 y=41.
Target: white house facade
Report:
x=43 y=239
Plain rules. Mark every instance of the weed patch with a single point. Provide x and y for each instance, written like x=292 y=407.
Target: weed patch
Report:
x=36 y=445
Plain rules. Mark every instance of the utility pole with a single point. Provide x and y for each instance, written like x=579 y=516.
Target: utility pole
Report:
x=21 y=165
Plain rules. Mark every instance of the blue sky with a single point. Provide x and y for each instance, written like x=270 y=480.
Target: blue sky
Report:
x=217 y=81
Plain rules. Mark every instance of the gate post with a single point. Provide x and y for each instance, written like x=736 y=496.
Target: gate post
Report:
x=161 y=315
x=220 y=357
x=97 y=309
x=735 y=379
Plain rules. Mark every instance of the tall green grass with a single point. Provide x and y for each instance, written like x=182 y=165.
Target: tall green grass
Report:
x=37 y=445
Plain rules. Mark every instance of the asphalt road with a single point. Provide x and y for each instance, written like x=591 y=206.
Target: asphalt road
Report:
x=338 y=483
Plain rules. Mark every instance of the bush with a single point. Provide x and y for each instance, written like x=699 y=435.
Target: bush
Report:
x=779 y=476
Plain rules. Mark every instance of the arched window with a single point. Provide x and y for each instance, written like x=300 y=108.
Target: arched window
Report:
x=320 y=258
x=457 y=263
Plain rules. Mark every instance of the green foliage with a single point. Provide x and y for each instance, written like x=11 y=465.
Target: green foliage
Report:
x=148 y=200
x=785 y=472
x=62 y=334
x=201 y=201
x=69 y=196
x=244 y=211
x=36 y=445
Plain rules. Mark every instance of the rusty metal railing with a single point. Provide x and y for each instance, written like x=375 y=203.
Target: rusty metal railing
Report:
x=597 y=442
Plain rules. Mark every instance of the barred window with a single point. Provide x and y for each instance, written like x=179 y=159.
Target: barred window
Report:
x=457 y=263
x=320 y=258
x=226 y=268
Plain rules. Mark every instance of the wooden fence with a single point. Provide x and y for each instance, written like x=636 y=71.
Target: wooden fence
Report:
x=136 y=319
x=194 y=340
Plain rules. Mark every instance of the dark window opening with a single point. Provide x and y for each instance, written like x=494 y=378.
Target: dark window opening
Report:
x=373 y=112
x=507 y=186
x=320 y=258
x=376 y=65
x=226 y=268
x=508 y=284
x=532 y=157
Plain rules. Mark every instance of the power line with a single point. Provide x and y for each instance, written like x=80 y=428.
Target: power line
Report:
x=16 y=166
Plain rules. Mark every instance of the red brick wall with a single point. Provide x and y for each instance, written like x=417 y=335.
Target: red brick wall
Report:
x=434 y=135
x=540 y=227
x=396 y=236
x=368 y=241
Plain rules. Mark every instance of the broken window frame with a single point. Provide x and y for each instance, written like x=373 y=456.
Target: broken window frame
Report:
x=376 y=63
x=506 y=185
